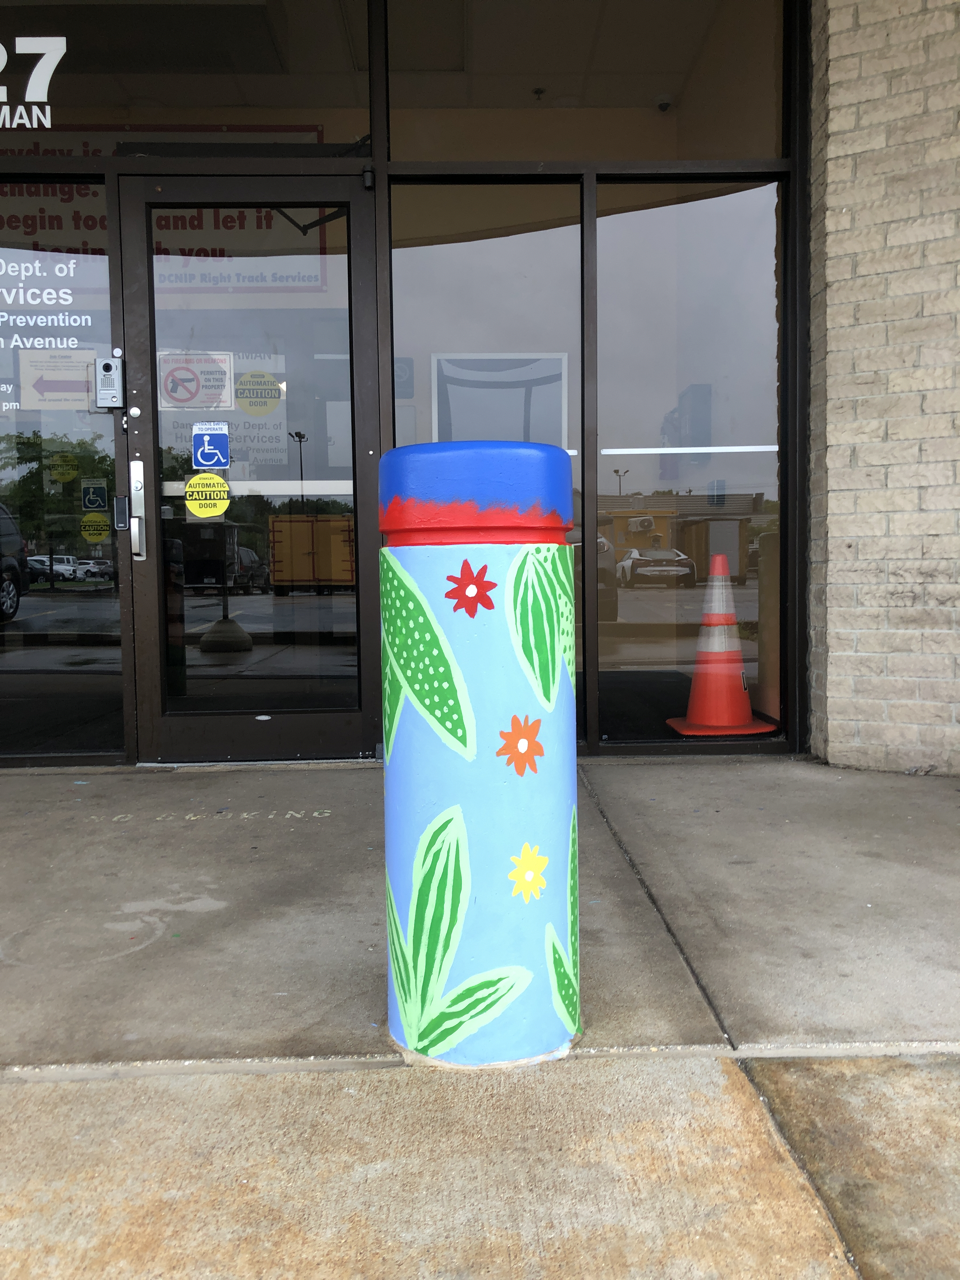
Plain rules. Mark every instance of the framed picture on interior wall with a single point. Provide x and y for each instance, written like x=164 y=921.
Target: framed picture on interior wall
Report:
x=500 y=396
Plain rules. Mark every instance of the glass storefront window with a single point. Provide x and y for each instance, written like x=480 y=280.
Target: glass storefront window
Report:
x=254 y=380
x=59 y=596
x=486 y=315
x=688 y=442
x=614 y=81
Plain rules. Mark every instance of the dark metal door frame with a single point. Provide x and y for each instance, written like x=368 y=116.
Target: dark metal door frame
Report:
x=233 y=736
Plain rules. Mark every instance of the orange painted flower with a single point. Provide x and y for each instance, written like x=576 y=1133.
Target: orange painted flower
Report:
x=470 y=589
x=520 y=745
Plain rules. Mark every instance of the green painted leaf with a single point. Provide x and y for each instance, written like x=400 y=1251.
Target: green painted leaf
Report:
x=471 y=1006
x=393 y=696
x=563 y=575
x=573 y=900
x=540 y=615
x=566 y=994
x=423 y=659
x=432 y=1022
x=441 y=889
x=400 y=963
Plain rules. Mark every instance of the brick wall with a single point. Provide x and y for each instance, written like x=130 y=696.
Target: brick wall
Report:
x=885 y=404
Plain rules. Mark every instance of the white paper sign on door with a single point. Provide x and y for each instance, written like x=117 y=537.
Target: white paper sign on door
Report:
x=195 y=381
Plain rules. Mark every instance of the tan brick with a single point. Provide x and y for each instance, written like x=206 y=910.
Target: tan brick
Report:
x=888 y=734
x=871 y=359
x=940 y=302
x=880 y=310
x=941 y=642
x=882 y=108
x=939 y=691
x=941 y=450
x=920 y=713
x=937 y=666
x=891 y=548
x=887 y=595
x=856 y=571
x=940 y=547
x=942 y=401
x=926 y=571
x=857 y=141
x=888 y=500
x=857 y=664
x=924 y=377
x=858 y=525
x=858 y=478
x=855 y=337
x=855 y=290
x=854 y=709
x=924 y=473
x=923 y=522
x=921 y=175
x=890 y=407
x=891 y=161
x=895 y=258
x=886 y=687
x=938 y=226
x=940 y=201
x=855 y=756
x=854 y=432
x=861 y=90
x=887 y=453
x=932 y=125
x=842 y=732
x=942 y=149
x=940 y=277
x=943 y=251
x=921 y=427
x=882 y=61
x=921 y=329
x=888 y=642
x=945 y=595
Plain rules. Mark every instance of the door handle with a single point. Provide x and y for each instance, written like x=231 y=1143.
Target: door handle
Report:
x=138 y=512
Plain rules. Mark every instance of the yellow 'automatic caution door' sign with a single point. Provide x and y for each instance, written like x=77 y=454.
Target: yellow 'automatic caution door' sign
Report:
x=207 y=495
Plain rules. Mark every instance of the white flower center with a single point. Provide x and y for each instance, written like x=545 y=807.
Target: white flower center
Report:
x=470 y=591
x=522 y=745
x=528 y=876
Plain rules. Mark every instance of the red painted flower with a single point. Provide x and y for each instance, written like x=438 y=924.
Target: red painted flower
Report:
x=470 y=589
x=520 y=745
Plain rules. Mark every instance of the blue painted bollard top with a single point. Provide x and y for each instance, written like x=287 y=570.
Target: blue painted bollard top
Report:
x=479 y=681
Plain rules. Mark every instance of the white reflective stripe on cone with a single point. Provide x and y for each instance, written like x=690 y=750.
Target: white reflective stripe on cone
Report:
x=719 y=596
x=718 y=640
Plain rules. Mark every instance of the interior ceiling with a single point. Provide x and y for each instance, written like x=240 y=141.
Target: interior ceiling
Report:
x=587 y=53
x=444 y=53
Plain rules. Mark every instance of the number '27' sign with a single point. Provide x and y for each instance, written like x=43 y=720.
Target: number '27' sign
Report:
x=50 y=50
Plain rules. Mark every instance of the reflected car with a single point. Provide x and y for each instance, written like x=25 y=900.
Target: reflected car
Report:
x=65 y=569
x=252 y=574
x=656 y=566
x=96 y=568
x=14 y=570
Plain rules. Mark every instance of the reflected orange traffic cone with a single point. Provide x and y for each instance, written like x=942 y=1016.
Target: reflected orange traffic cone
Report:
x=719 y=703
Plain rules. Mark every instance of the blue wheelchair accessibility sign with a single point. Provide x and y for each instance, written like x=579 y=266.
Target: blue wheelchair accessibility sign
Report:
x=93 y=495
x=211 y=445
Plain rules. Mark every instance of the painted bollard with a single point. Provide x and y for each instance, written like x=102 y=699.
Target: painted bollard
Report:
x=479 y=696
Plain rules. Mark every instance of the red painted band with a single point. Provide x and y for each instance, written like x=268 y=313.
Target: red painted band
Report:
x=719 y=620
x=452 y=537
x=411 y=522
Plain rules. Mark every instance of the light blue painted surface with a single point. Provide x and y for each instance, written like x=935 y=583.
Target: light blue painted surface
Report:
x=502 y=811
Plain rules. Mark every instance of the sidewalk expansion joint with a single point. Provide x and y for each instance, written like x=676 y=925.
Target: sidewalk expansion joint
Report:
x=652 y=899
x=58 y=1073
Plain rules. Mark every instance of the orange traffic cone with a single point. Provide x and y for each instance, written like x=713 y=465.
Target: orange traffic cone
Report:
x=719 y=703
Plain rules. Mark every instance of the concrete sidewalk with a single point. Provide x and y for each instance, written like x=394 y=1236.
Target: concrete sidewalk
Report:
x=771 y=1001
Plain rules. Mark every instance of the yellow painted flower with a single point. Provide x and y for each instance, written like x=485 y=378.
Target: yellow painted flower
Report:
x=526 y=873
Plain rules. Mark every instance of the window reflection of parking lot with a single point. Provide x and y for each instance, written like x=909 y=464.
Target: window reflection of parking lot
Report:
x=658 y=627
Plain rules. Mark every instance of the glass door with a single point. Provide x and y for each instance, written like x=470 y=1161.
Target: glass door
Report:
x=252 y=426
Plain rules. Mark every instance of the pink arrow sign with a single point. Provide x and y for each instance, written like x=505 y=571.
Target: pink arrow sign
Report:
x=43 y=385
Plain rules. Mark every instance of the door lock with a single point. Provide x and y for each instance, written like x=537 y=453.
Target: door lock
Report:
x=138 y=512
